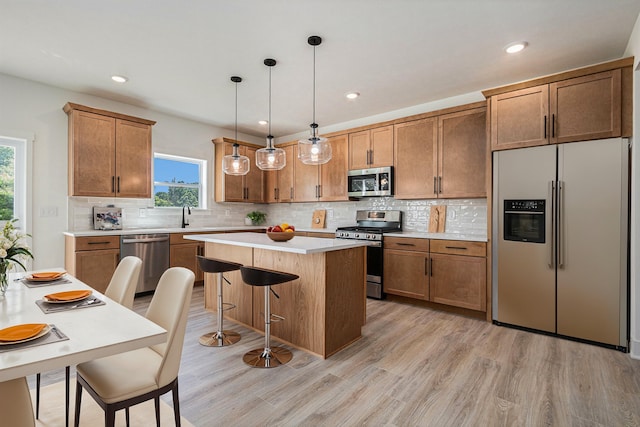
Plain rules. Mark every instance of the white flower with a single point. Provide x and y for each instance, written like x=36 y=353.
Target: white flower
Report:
x=3 y=252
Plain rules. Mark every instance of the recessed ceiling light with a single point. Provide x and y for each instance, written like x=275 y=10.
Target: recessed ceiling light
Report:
x=515 y=47
x=119 y=79
x=352 y=95
x=263 y=122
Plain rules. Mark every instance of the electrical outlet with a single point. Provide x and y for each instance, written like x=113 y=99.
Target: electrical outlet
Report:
x=142 y=212
x=227 y=212
x=48 y=211
x=330 y=213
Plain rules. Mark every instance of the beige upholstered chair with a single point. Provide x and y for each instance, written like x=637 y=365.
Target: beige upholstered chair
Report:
x=15 y=404
x=121 y=289
x=122 y=286
x=126 y=379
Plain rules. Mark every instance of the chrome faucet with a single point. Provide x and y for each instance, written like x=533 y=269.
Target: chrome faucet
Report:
x=185 y=220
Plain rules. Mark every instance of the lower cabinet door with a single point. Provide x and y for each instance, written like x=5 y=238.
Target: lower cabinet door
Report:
x=185 y=256
x=406 y=273
x=95 y=268
x=459 y=281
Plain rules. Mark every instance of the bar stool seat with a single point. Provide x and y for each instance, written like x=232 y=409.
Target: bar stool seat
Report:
x=267 y=357
x=220 y=337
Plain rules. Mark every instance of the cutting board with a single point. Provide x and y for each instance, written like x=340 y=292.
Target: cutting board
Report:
x=317 y=221
x=437 y=218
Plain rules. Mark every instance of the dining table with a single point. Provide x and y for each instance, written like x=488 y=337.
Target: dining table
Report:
x=79 y=331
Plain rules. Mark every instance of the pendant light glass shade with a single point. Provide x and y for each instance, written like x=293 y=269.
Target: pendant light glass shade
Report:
x=235 y=164
x=270 y=158
x=315 y=150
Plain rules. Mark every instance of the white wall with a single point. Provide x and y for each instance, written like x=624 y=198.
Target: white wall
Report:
x=30 y=108
x=633 y=49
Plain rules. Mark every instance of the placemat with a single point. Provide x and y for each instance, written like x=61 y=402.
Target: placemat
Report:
x=47 y=307
x=29 y=284
x=54 y=335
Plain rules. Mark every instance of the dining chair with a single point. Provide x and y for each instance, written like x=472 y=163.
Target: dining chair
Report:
x=123 y=380
x=15 y=404
x=121 y=289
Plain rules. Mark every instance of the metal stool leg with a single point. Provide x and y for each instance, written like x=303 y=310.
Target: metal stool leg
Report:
x=220 y=338
x=267 y=357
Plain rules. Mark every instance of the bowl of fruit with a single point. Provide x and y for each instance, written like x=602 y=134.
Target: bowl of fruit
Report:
x=281 y=232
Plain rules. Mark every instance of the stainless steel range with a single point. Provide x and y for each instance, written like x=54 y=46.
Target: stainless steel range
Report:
x=370 y=226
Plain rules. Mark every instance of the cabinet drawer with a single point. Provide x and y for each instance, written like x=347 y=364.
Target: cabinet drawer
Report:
x=406 y=243
x=459 y=247
x=93 y=243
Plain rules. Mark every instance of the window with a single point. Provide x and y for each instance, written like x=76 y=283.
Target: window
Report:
x=179 y=181
x=13 y=180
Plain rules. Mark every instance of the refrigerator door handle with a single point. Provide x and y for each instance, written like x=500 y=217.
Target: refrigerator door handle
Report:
x=552 y=246
x=560 y=224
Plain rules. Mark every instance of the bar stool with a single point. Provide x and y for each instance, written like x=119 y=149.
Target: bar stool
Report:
x=267 y=357
x=219 y=338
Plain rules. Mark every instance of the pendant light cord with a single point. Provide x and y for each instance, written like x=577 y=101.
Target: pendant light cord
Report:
x=270 y=136
x=235 y=141
x=314 y=90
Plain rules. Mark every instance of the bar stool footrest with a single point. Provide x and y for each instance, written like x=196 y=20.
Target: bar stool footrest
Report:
x=226 y=306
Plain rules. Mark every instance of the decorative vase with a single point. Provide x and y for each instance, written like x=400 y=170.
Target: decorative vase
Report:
x=4 y=283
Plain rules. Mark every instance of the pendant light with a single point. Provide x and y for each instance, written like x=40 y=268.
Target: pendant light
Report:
x=270 y=158
x=316 y=150
x=235 y=164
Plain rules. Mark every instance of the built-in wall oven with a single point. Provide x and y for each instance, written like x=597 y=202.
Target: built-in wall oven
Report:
x=370 y=226
x=524 y=220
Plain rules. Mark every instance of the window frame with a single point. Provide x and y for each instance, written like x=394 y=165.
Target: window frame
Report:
x=202 y=186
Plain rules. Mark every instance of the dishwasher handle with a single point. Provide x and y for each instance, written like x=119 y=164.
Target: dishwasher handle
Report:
x=151 y=240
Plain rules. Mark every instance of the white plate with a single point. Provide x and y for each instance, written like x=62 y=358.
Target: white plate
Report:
x=42 y=333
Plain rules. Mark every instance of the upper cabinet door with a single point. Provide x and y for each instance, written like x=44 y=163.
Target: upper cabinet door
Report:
x=133 y=154
x=92 y=146
x=586 y=107
x=333 y=175
x=285 y=175
x=415 y=166
x=381 y=147
x=462 y=154
x=520 y=118
x=253 y=181
x=359 y=144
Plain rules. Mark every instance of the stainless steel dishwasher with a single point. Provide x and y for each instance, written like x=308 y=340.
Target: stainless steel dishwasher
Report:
x=153 y=250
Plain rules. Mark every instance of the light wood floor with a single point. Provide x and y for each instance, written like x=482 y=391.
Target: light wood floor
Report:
x=413 y=367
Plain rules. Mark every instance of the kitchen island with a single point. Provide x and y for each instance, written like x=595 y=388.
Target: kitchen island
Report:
x=324 y=309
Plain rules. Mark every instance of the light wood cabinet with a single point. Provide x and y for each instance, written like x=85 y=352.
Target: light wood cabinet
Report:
x=458 y=272
x=279 y=184
x=406 y=267
x=442 y=156
x=109 y=153
x=92 y=260
x=415 y=164
x=327 y=182
x=462 y=154
x=371 y=148
x=247 y=188
x=575 y=109
x=183 y=253
x=447 y=272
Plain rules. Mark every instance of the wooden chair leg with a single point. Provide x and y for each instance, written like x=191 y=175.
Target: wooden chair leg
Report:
x=37 y=395
x=76 y=421
x=176 y=404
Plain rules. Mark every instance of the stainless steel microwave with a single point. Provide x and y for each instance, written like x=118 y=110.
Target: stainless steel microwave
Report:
x=370 y=182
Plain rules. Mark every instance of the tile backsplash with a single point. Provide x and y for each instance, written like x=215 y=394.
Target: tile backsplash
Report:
x=464 y=216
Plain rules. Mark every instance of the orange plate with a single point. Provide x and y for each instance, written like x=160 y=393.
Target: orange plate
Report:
x=47 y=274
x=67 y=296
x=21 y=332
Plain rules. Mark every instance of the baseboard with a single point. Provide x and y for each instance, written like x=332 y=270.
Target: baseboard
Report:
x=634 y=349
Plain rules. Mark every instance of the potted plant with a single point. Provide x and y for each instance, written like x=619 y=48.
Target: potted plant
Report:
x=255 y=218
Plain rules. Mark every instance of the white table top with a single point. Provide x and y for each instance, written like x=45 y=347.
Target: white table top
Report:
x=93 y=332
x=298 y=245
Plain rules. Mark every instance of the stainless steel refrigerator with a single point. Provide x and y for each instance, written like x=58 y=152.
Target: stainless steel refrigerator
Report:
x=560 y=239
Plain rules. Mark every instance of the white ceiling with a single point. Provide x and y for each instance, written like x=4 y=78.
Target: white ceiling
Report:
x=179 y=56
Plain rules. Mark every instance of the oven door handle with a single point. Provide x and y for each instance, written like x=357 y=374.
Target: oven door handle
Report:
x=376 y=244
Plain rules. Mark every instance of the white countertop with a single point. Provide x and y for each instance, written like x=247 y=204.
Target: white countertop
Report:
x=126 y=231
x=298 y=245
x=440 y=236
